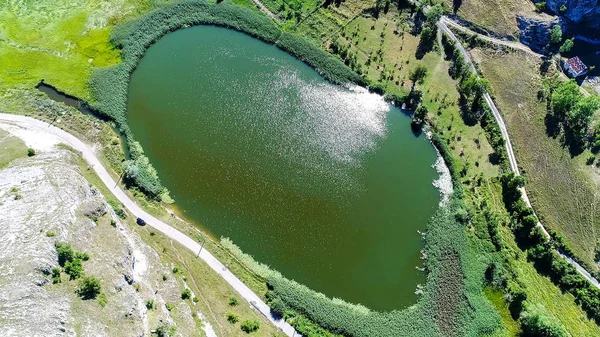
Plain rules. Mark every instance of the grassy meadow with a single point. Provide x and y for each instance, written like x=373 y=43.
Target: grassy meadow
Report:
x=562 y=188
x=11 y=148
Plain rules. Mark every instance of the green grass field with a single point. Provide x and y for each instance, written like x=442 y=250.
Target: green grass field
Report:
x=11 y=148
x=59 y=41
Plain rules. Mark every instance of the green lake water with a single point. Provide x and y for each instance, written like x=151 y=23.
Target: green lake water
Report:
x=326 y=184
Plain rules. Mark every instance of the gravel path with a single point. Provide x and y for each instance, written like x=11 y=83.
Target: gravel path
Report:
x=89 y=155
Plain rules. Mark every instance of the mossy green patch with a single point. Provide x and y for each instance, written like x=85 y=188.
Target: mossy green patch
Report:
x=11 y=148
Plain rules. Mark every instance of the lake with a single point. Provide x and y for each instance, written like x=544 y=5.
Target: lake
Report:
x=326 y=184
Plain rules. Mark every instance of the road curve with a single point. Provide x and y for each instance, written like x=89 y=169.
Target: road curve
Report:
x=89 y=155
x=511 y=44
x=509 y=150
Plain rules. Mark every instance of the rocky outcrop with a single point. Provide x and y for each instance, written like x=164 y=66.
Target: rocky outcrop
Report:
x=585 y=13
x=45 y=199
x=535 y=32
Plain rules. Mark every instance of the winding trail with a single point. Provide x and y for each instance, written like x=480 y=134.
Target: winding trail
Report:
x=511 y=44
x=442 y=25
x=89 y=155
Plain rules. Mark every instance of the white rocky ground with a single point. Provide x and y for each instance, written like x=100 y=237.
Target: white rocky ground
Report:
x=47 y=194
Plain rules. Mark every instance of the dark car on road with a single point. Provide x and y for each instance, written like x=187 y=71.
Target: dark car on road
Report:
x=140 y=222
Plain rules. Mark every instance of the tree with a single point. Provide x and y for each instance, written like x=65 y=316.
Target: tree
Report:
x=418 y=74
x=232 y=318
x=165 y=331
x=89 y=288
x=427 y=35
x=564 y=97
x=433 y=15
x=556 y=34
x=581 y=115
x=65 y=253
x=420 y=114
x=186 y=294
x=567 y=46
x=248 y=326
x=537 y=324
x=30 y=152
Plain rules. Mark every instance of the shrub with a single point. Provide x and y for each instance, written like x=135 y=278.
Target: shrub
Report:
x=118 y=208
x=82 y=256
x=89 y=288
x=170 y=306
x=555 y=34
x=233 y=301
x=102 y=300
x=232 y=318
x=50 y=234
x=536 y=324
x=30 y=152
x=56 y=275
x=248 y=326
x=65 y=253
x=567 y=45
x=540 y=6
x=278 y=307
x=150 y=304
x=165 y=331
x=186 y=294
x=590 y=159
x=562 y=9
x=74 y=269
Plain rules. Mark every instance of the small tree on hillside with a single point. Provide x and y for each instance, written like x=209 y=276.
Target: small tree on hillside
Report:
x=250 y=326
x=567 y=45
x=420 y=114
x=556 y=34
x=89 y=288
x=433 y=15
x=65 y=253
x=418 y=74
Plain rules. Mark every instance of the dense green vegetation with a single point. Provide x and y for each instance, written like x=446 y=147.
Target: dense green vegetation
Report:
x=572 y=113
x=543 y=253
